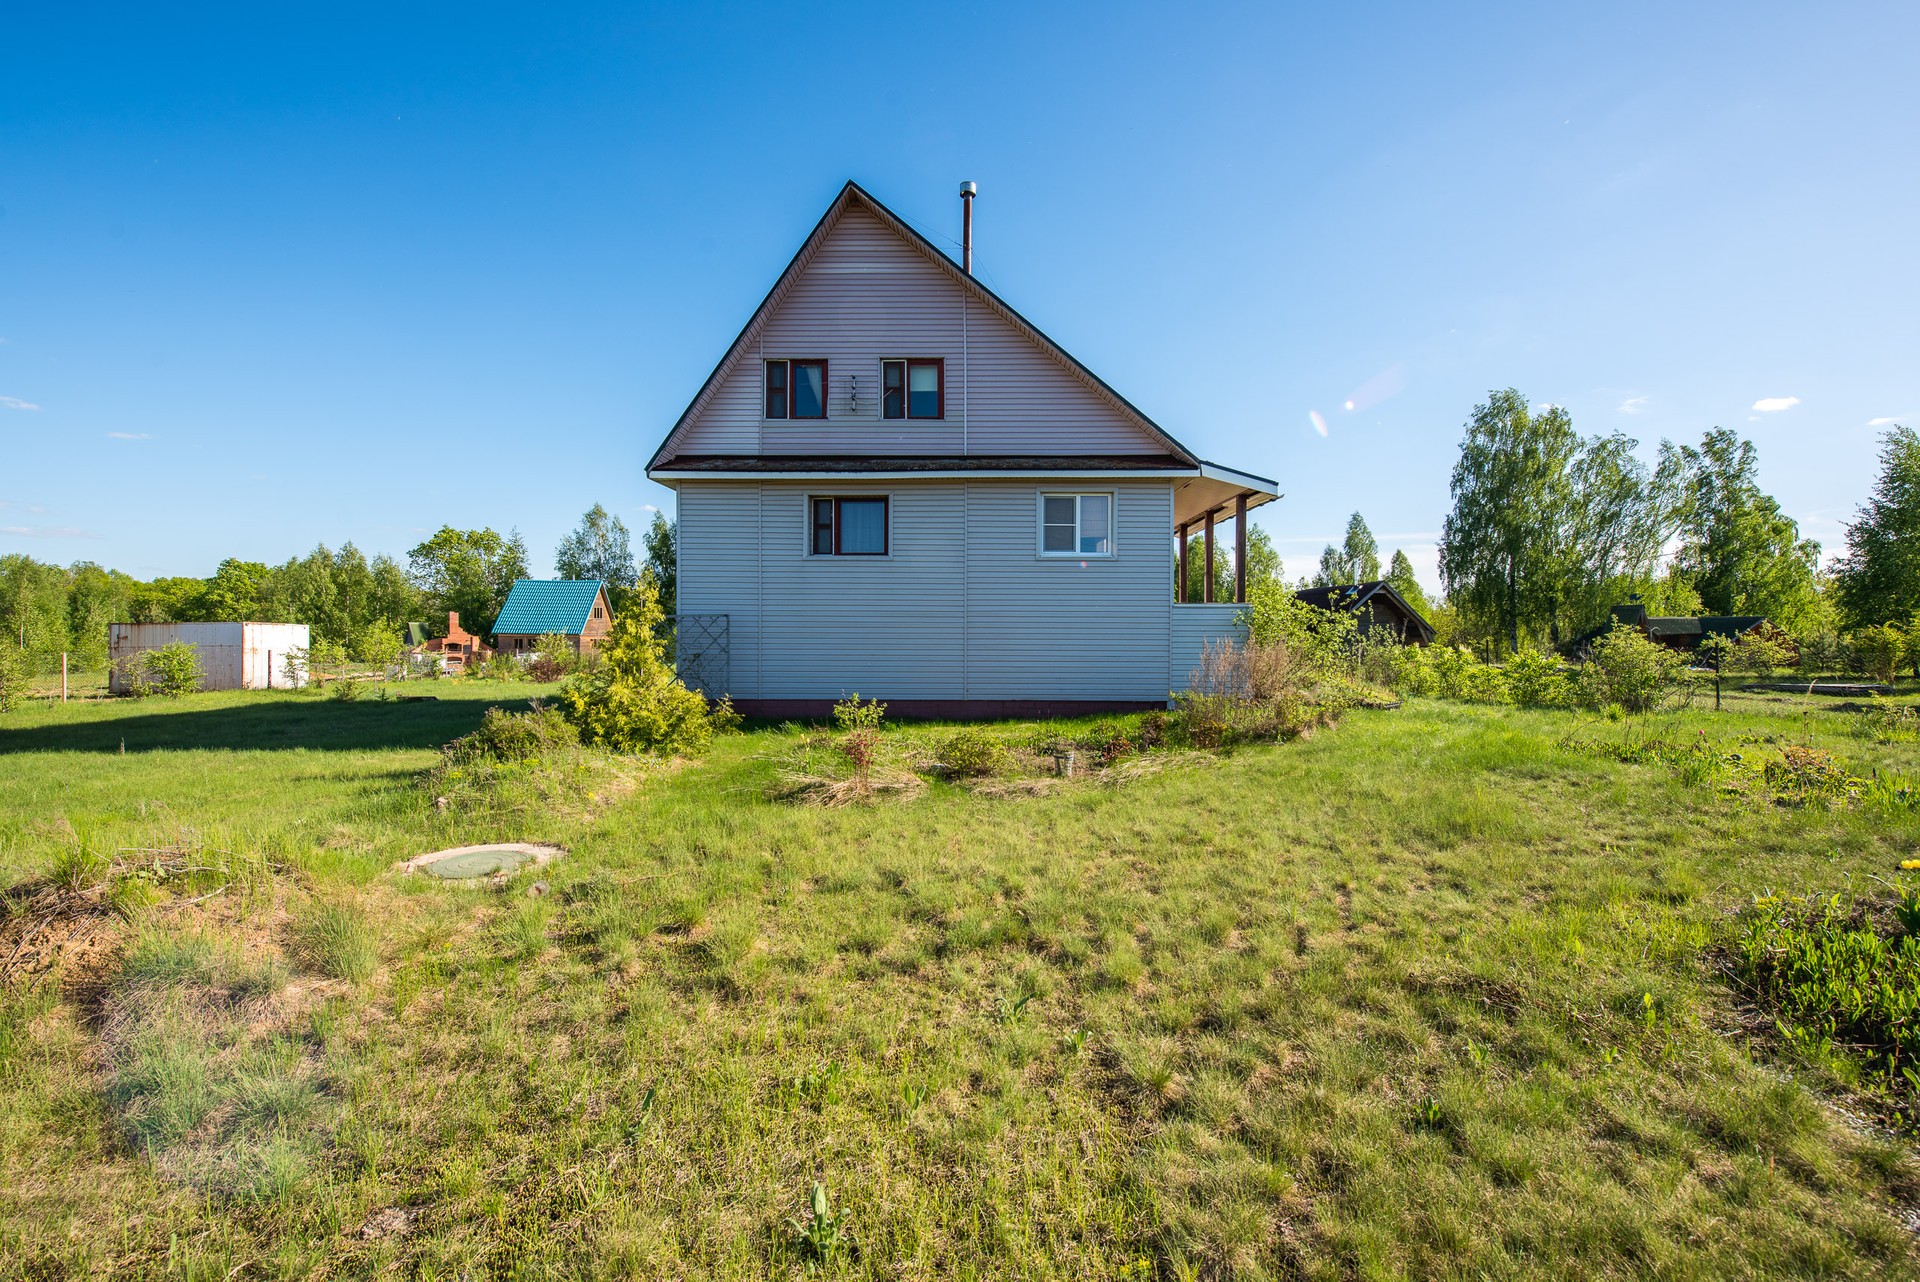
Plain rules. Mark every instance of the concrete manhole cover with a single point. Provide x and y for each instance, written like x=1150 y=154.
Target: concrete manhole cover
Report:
x=468 y=863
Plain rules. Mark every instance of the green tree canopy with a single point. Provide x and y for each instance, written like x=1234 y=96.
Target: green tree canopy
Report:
x=1879 y=581
x=1738 y=551
x=600 y=549
x=662 y=569
x=1355 y=560
x=1546 y=527
x=467 y=572
x=1401 y=577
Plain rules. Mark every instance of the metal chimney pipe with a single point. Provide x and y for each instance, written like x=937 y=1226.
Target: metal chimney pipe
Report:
x=967 y=191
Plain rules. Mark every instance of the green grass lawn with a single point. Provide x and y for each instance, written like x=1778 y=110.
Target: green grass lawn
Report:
x=1426 y=995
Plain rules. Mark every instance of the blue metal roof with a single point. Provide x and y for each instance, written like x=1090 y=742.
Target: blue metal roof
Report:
x=537 y=606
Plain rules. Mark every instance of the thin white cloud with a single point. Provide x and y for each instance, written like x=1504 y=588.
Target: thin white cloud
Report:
x=15 y=403
x=129 y=436
x=1774 y=404
x=46 y=532
x=1634 y=405
x=648 y=507
x=1888 y=421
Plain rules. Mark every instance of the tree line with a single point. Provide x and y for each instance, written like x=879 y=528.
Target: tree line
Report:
x=1549 y=529
x=347 y=599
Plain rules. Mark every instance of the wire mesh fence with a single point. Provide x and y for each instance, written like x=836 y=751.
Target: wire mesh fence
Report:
x=701 y=653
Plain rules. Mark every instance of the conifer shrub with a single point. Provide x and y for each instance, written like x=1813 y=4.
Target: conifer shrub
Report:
x=634 y=702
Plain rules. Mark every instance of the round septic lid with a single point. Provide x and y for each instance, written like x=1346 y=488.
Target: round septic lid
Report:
x=481 y=862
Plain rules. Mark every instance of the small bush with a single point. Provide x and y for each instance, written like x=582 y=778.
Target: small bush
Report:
x=169 y=670
x=13 y=674
x=972 y=753
x=1536 y=680
x=552 y=658
x=1876 y=652
x=337 y=941
x=1625 y=668
x=514 y=736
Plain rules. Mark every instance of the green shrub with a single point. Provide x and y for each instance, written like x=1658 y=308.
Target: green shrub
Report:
x=634 y=702
x=1876 y=652
x=14 y=670
x=1624 y=668
x=971 y=753
x=1536 y=680
x=552 y=659
x=170 y=670
x=515 y=736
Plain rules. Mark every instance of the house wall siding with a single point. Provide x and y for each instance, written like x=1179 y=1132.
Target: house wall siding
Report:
x=962 y=608
x=867 y=295
x=1194 y=625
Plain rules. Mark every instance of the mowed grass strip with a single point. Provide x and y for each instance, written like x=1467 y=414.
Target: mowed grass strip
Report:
x=1422 y=996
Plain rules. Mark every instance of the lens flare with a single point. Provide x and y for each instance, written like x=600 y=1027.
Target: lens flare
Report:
x=1381 y=386
x=1319 y=424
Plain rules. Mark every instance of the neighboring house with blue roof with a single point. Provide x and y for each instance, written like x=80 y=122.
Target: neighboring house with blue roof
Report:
x=577 y=609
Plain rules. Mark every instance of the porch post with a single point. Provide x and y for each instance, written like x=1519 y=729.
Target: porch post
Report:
x=1240 y=548
x=1180 y=567
x=1206 y=588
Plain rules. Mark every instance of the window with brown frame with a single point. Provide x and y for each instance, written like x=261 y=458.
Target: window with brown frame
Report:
x=913 y=388
x=851 y=526
x=796 y=389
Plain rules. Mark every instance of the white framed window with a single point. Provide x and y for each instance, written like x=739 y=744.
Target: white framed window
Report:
x=1076 y=525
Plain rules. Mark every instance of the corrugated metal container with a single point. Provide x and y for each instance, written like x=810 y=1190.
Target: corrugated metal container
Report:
x=235 y=656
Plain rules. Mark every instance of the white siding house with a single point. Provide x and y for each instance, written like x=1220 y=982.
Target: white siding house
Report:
x=893 y=484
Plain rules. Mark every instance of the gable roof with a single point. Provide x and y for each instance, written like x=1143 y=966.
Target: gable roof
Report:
x=538 y=606
x=854 y=195
x=1355 y=596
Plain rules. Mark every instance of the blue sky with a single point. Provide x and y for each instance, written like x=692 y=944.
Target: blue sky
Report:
x=272 y=278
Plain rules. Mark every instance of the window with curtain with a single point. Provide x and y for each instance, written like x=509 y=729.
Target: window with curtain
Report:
x=853 y=526
x=1076 y=525
x=913 y=388
x=796 y=389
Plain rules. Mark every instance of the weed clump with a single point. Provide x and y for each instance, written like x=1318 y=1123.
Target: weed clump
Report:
x=337 y=941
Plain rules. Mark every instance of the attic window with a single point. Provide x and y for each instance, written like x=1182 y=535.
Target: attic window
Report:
x=913 y=388
x=796 y=389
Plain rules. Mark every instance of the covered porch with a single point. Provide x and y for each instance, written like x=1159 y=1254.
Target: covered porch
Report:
x=1200 y=504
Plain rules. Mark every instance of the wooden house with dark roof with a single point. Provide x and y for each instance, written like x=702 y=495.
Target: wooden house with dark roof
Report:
x=1684 y=633
x=1378 y=606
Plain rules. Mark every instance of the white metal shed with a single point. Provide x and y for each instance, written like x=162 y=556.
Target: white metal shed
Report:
x=235 y=656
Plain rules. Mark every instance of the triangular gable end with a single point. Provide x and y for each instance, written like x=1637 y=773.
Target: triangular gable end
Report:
x=1002 y=334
